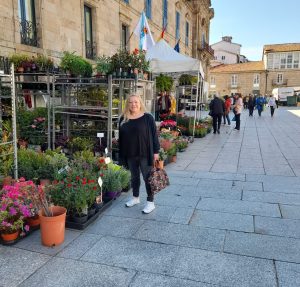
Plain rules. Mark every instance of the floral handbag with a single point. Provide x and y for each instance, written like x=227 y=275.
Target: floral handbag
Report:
x=158 y=179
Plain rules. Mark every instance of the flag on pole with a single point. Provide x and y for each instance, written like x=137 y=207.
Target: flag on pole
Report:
x=162 y=33
x=142 y=30
x=176 y=48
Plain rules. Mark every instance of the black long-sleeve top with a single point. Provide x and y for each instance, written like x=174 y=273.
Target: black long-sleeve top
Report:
x=138 y=137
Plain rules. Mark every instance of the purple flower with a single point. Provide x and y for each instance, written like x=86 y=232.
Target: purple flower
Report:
x=12 y=211
x=3 y=207
x=26 y=227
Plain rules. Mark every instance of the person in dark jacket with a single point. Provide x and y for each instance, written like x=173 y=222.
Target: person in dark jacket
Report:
x=139 y=147
x=251 y=105
x=217 y=109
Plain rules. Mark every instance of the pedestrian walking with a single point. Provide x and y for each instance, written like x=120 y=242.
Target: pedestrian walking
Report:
x=251 y=105
x=139 y=147
x=217 y=109
x=260 y=103
x=238 y=107
x=272 y=104
x=227 y=109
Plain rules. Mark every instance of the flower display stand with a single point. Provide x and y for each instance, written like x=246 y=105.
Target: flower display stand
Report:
x=92 y=218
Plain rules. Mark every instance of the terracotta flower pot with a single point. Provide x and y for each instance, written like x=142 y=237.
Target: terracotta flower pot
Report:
x=10 y=236
x=33 y=221
x=53 y=227
x=174 y=158
x=161 y=164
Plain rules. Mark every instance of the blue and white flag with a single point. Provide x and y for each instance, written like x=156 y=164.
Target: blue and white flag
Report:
x=142 y=30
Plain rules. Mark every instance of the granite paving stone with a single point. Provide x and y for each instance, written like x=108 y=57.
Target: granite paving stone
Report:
x=272 y=197
x=221 y=220
x=290 y=211
x=66 y=273
x=79 y=246
x=220 y=175
x=33 y=242
x=223 y=269
x=183 y=235
x=123 y=226
x=277 y=226
x=239 y=206
x=182 y=215
x=263 y=246
x=155 y=280
x=247 y=185
x=288 y=274
x=134 y=254
x=16 y=265
x=176 y=200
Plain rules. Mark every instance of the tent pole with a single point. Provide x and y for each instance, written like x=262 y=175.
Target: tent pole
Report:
x=198 y=75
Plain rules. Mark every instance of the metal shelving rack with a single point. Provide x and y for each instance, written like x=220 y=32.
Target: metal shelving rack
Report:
x=9 y=80
x=116 y=88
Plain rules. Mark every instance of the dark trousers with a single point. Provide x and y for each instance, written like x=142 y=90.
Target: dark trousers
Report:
x=272 y=111
x=217 y=119
x=259 y=112
x=237 y=121
x=251 y=111
x=226 y=117
x=137 y=164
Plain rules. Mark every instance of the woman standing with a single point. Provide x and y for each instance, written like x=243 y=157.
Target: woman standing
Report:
x=139 y=147
x=227 y=110
x=238 y=107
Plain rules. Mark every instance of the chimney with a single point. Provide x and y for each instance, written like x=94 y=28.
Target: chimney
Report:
x=227 y=39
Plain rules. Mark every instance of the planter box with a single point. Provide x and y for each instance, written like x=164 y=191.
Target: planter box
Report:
x=81 y=226
x=19 y=237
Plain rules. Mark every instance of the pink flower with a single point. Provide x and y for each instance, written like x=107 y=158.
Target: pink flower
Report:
x=21 y=179
x=12 y=211
x=26 y=227
x=33 y=126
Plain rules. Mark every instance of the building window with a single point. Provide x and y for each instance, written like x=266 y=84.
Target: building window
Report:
x=223 y=58
x=124 y=37
x=90 y=49
x=282 y=61
x=296 y=60
x=27 y=23
x=165 y=13
x=256 y=80
x=187 y=33
x=233 y=80
x=279 y=78
x=177 y=25
x=148 y=8
x=127 y=1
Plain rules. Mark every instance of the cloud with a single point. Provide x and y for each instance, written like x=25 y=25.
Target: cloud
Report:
x=252 y=53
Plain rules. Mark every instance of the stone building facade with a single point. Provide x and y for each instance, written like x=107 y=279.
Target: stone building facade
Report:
x=280 y=68
x=96 y=27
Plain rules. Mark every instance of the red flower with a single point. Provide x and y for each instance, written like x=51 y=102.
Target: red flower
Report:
x=77 y=177
x=69 y=185
x=95 y=187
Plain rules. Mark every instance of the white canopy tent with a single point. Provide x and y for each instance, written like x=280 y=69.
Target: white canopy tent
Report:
x=164 y=59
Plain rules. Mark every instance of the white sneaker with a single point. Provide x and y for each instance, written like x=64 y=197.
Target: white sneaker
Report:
x=133 y=201
x=149 y=207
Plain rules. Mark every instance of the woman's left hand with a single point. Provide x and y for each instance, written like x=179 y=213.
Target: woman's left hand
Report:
x=156 y=157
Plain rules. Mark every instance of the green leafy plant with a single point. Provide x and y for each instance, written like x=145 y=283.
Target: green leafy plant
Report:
x=44 y=63
x=162 y=154
x=80 y=144
x=111 y=180
x=125 y=177
x=18 y=59
x=76 y=65
x=103 y=64
x=186 y=79
x=164 y=83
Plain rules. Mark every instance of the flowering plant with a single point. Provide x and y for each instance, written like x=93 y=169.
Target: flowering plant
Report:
x=162 y=154
x=168 y=124
x=13 y=210
x=74 y=191
x=181 y=144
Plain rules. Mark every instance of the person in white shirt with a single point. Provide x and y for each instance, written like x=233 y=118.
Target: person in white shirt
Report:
x=238 y=107
x=272 y=104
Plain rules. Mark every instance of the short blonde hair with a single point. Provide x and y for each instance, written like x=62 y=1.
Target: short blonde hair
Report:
x=126 y=111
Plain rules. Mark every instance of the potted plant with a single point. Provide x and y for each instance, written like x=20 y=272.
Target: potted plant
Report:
x=19 y=60
x=80 y=144
x=13 y=212
x=103 y=65
x=162 y=156
x=44 y=63
x=76 y=65
x=125 y=177
x=181 y=144
x=111 y=183
x=164 y=83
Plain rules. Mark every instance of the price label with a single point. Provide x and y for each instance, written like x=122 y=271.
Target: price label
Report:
x=106 y=150
x=100 y=182
x=107 y=160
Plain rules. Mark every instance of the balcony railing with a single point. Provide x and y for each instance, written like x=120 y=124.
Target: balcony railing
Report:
x=28 y=33
x=281 y=83
x=90 y=50
x=205 y=47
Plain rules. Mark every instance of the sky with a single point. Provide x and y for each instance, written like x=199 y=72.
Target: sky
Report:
x=255 y=23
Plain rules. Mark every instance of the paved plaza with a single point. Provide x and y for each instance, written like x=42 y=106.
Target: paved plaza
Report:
x=231 y=217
